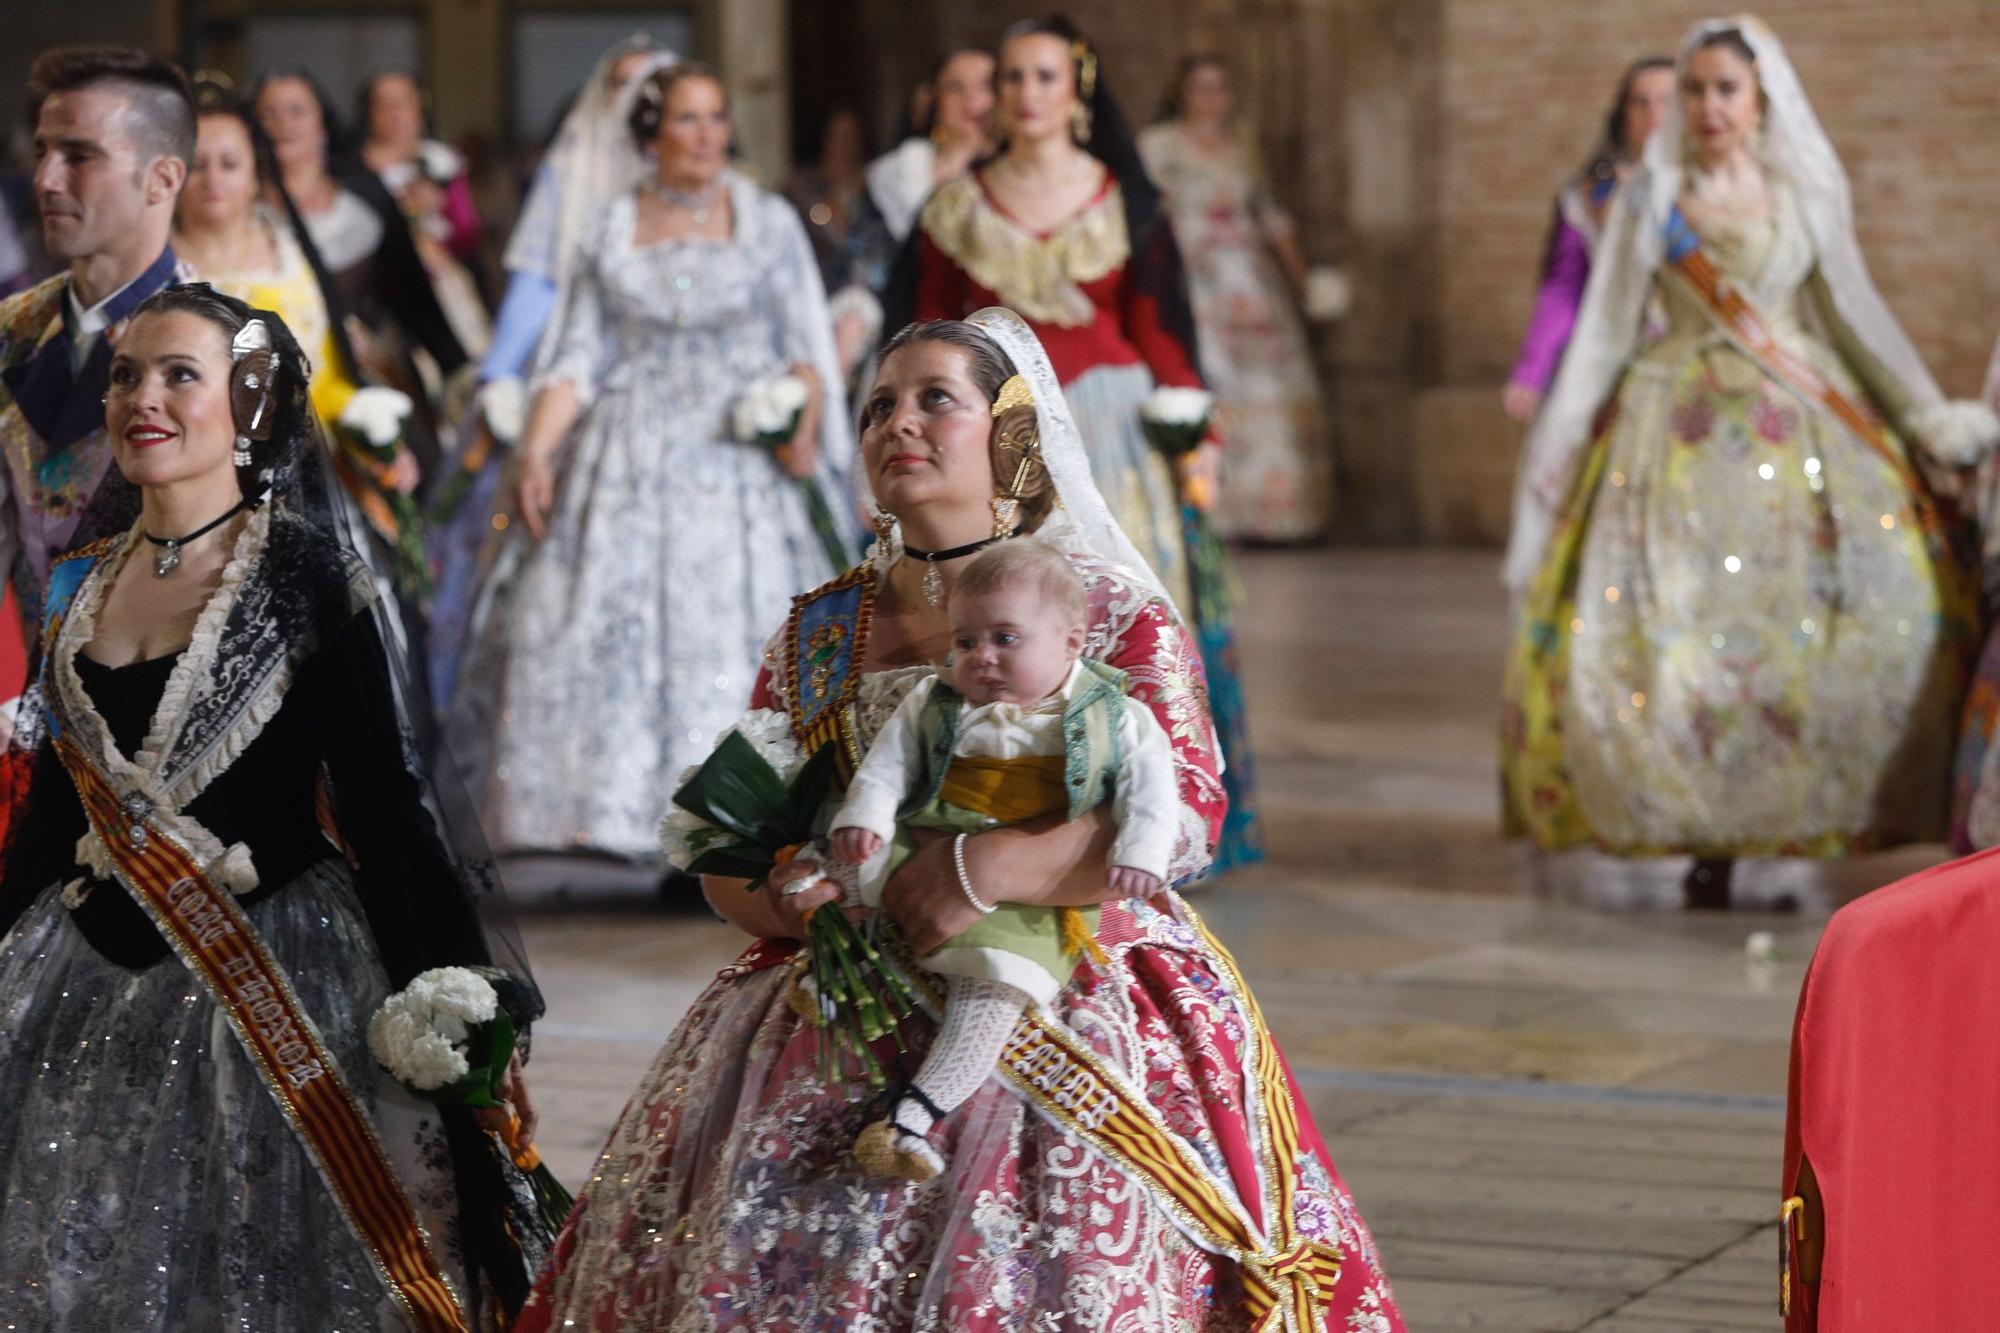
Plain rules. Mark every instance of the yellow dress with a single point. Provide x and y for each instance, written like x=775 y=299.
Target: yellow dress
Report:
x=292 y=290
x=1747 y=636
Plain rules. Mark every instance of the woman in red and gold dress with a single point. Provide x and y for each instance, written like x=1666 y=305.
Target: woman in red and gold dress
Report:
x=727 y=1198
x=1063 y=227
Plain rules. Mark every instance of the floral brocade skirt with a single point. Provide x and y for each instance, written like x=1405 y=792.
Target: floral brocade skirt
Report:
x=151 y=1182
x=727 y=1199
x=1749 y=635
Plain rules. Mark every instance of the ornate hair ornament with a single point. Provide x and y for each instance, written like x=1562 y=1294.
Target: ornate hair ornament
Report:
x=1007 y=505
x=1014 y=393
x=1086 y=67
x=1081 y=117
x=254 y=367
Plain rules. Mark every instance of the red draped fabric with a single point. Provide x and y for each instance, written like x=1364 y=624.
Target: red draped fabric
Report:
x=1895 y=1106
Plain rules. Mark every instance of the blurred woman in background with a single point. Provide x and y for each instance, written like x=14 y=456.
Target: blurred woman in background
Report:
x=1644 y=99
x=647 y=535
x=1064 y=227
x=428 y=178
x=1244 y=268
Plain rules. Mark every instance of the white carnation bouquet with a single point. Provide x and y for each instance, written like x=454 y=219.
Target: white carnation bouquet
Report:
x=447 y=1038
x=768 y=412
x=1177 y=420
x=755 y=804
x=371 y=430
x=767 y=417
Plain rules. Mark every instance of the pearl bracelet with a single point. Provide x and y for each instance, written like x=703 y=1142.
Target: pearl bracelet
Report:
x=965 y=880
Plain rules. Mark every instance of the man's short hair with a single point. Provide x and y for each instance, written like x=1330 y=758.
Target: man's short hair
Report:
x=159 y=114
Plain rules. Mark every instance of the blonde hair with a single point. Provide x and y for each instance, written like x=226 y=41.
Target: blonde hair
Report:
x=1026 y=560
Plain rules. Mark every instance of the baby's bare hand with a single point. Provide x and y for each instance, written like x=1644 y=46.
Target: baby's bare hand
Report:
x=1130 y=883
x=852 y=846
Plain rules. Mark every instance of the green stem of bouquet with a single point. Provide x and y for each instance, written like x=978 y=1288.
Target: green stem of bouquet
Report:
x=824 y=526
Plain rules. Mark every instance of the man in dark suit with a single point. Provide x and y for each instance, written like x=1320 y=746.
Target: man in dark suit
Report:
x=114 y=137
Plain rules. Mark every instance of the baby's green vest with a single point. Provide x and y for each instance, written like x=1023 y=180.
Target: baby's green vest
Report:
x=1090 y=740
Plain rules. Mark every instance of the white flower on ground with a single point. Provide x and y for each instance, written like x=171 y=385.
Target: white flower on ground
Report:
x=1170 y=406
x=377 y=413
x=770 y=407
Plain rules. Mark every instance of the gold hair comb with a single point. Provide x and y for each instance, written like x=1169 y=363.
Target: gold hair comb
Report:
x=1014 y=393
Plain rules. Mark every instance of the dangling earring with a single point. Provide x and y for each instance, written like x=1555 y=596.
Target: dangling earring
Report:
x=240 y=456
x=1006 y=515
x=1079 y=122
x=886 y=546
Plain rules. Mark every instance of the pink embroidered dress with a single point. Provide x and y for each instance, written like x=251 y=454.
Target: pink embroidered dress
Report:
x=726 y=1199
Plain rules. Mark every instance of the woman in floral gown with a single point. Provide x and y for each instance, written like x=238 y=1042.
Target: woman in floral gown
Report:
x=1746 y=619
x=1243 y=265
x=726 y=1198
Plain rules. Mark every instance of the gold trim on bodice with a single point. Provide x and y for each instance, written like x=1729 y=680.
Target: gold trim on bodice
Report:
x=1041 y=277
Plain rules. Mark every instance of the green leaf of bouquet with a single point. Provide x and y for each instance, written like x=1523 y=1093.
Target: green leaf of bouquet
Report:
x=736 y=789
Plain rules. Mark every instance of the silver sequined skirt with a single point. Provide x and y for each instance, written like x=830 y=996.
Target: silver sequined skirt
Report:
x=150 y=1182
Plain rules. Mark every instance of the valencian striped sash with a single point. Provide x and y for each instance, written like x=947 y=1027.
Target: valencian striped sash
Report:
x=219 y=945
x=1288 y=1281
x=1745 y=325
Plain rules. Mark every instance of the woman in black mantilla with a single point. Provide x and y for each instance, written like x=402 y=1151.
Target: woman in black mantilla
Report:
x=220 y=670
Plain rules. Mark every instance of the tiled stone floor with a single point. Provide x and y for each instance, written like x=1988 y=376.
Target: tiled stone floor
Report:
x=1558 y=1099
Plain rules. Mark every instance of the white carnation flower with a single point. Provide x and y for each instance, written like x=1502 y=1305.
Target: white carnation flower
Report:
x=770 y=407
x=441 y=161
x=1178 y=407
x=678 y=828
x=434 y=1063
x=770 y=735
x=461 y=993
x=377 y=413
x=504 y=404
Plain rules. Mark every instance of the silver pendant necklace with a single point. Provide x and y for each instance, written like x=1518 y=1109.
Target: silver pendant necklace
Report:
x=933 y=584
x=168 y=558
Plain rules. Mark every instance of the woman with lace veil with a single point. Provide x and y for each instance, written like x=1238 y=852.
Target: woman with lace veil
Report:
x=592 y=160
x=1745 y=618
x=726 y=1198
x=228 y=860
x=651 y=542
x=1064 y=227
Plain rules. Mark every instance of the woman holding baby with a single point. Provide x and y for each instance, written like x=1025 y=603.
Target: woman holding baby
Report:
x=1138 y=1156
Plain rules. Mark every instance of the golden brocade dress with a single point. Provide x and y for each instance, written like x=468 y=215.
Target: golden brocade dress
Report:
x=1748 y=635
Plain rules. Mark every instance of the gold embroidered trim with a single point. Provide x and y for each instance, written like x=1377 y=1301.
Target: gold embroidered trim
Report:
x=1040 y=277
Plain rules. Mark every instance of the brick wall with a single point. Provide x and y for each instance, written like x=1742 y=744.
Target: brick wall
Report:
x=1419 y=143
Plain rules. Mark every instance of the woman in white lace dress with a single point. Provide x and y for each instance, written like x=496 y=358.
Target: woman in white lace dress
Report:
x=651 y=550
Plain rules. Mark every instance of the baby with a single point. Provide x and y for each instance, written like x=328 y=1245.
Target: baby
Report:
x=1026 y=727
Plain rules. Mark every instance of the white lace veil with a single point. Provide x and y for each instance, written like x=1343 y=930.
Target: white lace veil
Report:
x=592 y=159
x=1081 y=523
x=1795 y=149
